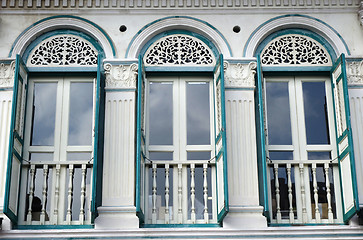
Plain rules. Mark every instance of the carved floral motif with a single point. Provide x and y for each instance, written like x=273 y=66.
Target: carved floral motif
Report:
x=7 y=74
x=239 y=75
x=355 y=73
x=121 y=76
x=179 y=49
x=295 y=50
x=64 y=50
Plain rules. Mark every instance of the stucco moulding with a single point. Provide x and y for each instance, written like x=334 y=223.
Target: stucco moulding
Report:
x=239 y=75
x=121 y=76
x=355 y=73
x=7 y=75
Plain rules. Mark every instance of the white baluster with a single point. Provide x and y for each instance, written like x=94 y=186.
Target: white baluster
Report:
x=180 y=194
x=289 y=190
x=302 y=187
x=31 y=193
x=167 y=215
x=70 y=194
x=328 y=194
x=277 y=193
x=56 y=193
x=83 y=193
x=45 y=190
x=316 y=196
x=192 y=191
x=205 y=192
x=154 y=189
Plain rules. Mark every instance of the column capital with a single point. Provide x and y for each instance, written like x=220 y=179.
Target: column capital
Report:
x=355 y=73
x=239 y=75
x=121 y=76
x=7 y=71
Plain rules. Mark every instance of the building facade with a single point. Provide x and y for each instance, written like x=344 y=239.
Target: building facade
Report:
x=181 y=119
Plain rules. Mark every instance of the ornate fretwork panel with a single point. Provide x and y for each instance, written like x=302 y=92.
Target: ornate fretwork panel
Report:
x=7 y=75
x=239 y=75
x=295 y=49
x=179 y=49
x=63 y=50
x=355 y=73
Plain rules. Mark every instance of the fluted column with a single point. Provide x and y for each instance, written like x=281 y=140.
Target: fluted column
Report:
x=245 y=211
x=7 y=69
x=118 y=192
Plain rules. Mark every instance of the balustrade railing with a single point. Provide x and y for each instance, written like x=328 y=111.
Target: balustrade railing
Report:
x=303 y=192
x=180 y=192
x=58 y=193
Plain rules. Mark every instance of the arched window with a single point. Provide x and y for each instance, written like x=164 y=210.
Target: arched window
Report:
x=181 y=153
x=307 y=146
x=55 y=151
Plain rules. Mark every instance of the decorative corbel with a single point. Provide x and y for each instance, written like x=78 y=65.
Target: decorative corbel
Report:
x=7 y=75
x=122 y=76
x=355 y=73
x=240 y=75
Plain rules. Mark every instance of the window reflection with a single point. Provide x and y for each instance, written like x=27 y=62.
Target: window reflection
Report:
x=80 y=114
x=316 y=124
x=198 y=114
x=161 y=113
x=278 y=113
x=44 y=108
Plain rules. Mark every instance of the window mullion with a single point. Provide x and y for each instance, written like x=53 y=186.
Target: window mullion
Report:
x=294 y=119
x=62 y=119
x=301 y=126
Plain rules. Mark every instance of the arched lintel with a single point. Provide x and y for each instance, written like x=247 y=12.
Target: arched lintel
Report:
x=63 y=22
x=292 y=21
x=177 y=23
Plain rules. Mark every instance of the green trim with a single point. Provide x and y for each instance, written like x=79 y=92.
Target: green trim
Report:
x=43 y=227
x=120 y=90
x=292 y=15
x=178 y=69
x=261 y=144
x=239 y=89
x=296 y=69
x=62 y=69
x=65 y=16
x=186 y=17
x=346 y=133
x=11 y=152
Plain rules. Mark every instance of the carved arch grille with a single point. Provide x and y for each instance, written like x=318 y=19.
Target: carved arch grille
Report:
x=179 y=49
x=295 y=50
x=63 y=50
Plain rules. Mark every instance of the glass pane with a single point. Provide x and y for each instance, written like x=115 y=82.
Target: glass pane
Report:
x=41 y=157
x=74 y=156
x=44 y=107
x=161 y=156
x=281 y=155
x=198 y=155
x=319 y=155
x=316 y=121
x=278 y=113
x=161 y=113
x=198 y=114
x=80 y=114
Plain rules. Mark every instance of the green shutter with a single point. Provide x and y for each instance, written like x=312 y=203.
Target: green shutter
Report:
x=140 y=142
x=98 y=140
x=16 y=142
x=220 y=140
x=343 y=131
x=261 y=143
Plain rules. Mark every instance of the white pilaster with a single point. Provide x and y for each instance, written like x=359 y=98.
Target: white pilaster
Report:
x=245 y=211
x=118 y=193
x=6 y=94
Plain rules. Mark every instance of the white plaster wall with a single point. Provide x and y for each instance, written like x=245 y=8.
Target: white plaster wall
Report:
x=118 y=168
x=5 y=116
x=241 y=148
x=346 y=23
x=356 y=111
